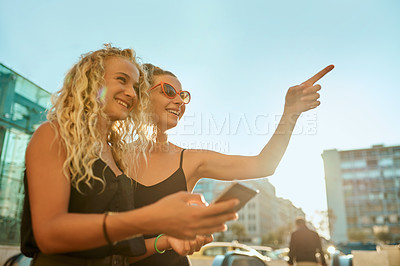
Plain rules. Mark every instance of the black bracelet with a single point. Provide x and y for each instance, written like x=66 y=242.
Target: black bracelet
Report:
x=105 y=230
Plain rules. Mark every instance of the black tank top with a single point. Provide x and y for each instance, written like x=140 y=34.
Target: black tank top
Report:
x=116 y=197
x=145 y=195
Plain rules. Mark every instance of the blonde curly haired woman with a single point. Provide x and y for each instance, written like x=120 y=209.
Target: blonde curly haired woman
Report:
x=79 y=207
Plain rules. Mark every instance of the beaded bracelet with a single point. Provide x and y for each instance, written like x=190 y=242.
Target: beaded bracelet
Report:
x=155 y=244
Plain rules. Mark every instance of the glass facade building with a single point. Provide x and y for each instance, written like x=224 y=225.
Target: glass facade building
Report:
x=22 y=110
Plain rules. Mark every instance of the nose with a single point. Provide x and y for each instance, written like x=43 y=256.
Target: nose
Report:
x=130 y=92
x=177 y=100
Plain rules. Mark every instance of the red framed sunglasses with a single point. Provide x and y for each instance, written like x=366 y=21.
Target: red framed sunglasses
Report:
x=171 y=92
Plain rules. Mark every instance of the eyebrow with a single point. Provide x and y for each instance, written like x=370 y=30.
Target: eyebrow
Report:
x=137 y=84
x=124 y=74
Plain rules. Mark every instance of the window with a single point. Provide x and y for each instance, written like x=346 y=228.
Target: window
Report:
x=346 y=165
x=214 y=251
x=352 y=220
x=380 y=219
x=372 y=153
x=385 y=162
x=358 y=154
x=361 y=174
x=365 y=220
x=387 y=173
x=393 y=218
x=384 y=152
x=347 y=175
x=360 y=164
x=345 y=155
x=373 y=173
x=372 y=163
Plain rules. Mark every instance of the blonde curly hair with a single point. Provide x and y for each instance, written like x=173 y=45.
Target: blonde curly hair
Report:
x=77 y=109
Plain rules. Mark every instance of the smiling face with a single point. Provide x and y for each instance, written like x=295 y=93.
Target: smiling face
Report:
x=118 y=94
x=166 y=111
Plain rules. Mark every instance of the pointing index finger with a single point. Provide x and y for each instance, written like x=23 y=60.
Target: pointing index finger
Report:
x=319 y=75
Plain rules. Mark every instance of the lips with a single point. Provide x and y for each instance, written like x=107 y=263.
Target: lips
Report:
x=175 y=112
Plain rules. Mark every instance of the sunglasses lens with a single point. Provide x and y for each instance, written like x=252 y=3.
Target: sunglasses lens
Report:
x=169 y=90
x=185 y=96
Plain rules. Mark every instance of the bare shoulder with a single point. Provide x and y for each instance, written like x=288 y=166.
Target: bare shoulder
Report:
x=44 y=139
x=46 y=130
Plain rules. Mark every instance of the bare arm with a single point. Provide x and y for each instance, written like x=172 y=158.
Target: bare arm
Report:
x=210 y=164
x=57 y=231
x=182 y=247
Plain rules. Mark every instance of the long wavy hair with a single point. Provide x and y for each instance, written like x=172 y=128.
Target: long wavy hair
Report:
x=153 y=71
x=77 y=109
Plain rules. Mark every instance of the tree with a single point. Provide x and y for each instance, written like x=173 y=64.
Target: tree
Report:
x=279 y=237
x=220 y=237
x=238 y=230
x=357 y=235
x=324 y=221
x=271 y=240
x=385 y=237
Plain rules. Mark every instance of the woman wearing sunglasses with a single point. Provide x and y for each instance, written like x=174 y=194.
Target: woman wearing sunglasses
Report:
x=78 y=207
x=166 y=168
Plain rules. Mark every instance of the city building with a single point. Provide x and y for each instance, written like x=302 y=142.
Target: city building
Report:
x=22 y=109
x=262 y=215
x=363 y=193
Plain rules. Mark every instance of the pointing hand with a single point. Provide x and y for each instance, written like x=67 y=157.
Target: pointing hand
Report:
x=303 y=97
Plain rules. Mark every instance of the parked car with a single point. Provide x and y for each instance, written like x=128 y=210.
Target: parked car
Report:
x=340 y=259
x=282 y=253
x=271 y=257
x=238 y=258
x=266 y=251
x=18 y=260
x=346 y=248
x=208 y=252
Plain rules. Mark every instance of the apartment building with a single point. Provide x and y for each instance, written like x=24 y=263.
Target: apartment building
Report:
x=363 y=192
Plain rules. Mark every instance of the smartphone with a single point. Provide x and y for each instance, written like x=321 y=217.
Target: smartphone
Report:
x=238 y=191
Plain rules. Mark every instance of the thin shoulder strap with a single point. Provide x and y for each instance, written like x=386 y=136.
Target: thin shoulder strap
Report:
x=180 y=164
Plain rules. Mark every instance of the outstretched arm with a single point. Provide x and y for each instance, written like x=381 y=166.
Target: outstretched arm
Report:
x=298 y=99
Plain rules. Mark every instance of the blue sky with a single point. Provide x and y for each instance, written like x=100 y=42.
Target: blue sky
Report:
x=237 y=58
